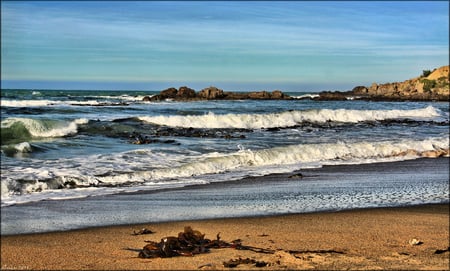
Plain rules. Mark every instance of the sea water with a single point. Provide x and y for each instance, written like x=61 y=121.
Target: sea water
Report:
x=59 y=144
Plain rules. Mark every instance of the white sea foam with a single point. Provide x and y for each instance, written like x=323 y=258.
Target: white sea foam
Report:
x=129 y=98
x=41 y=103
x=23 y=147
x=158 y=172
x=306 y=96
x=45 y=103
x=286 y=158
x=28 y=103
x=289 y=118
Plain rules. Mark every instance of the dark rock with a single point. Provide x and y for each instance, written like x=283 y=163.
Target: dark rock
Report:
x=440 y=251
x=154 y=98
x=259 y=95
x=360 y=90
x=233 y=263
x=236 y=96
x=168 y=93
x=277 y=94
x=296 y=176
x=331 y=96
x=185 y=93
x=273 y=129
x=211 y=93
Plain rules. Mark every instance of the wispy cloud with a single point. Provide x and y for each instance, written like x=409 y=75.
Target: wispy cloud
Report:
x=240 y=41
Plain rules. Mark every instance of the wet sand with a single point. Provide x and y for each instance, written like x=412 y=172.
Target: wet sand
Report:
x=367 y=239
x=330 y=188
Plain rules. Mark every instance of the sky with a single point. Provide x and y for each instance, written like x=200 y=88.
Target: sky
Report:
x=234 y=45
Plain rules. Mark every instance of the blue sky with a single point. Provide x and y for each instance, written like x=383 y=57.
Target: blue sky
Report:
x=234 y=45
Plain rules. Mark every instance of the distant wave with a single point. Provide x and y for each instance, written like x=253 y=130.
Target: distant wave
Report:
x=130 y=98
x=306 y=96
x=288 y=118
x=102 y=101
x=29 y=103
x=224 y=166
x=15 y=130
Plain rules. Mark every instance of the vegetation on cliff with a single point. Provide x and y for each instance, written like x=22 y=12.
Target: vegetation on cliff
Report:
x=430 y=86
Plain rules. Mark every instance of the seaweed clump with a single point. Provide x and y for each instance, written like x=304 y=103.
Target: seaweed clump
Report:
x=188 y=243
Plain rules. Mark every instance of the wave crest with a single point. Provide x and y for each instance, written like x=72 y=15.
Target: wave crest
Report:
x=14 y=130
x=288 y=118
x=188 y=170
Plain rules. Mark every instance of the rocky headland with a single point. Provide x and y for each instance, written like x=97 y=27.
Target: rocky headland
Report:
x=213 y=93
x=430 y=86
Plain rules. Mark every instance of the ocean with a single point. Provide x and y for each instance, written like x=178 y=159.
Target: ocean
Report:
x=62 y=147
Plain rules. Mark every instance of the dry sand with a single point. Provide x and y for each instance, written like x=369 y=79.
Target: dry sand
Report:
x=359 y=239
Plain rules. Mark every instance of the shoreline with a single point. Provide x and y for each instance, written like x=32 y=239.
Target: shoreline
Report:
x=374 y=238
x=318 y=190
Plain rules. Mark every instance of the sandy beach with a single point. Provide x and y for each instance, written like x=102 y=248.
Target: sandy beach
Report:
x=224 y=135
x=368 y=239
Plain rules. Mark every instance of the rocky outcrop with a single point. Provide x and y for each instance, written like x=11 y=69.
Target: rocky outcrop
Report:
x=261 y=95
x=332 y=96
x=278 y=94
x=169 y=93
x=431 y=85
x=211 y=93
x=257 y=95
x=214 y=93
x=185 y=93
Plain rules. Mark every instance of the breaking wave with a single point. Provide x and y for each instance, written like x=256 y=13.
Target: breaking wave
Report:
x=28 y=103
x=306 y=96
x=15 y=130
x=274 y=159
x=122 y=101
x=289 y=118
x=185 y=170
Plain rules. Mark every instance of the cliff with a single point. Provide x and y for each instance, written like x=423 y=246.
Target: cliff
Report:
x=430 y=86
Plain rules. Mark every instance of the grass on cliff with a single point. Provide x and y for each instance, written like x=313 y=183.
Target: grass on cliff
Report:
x=428 y=84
